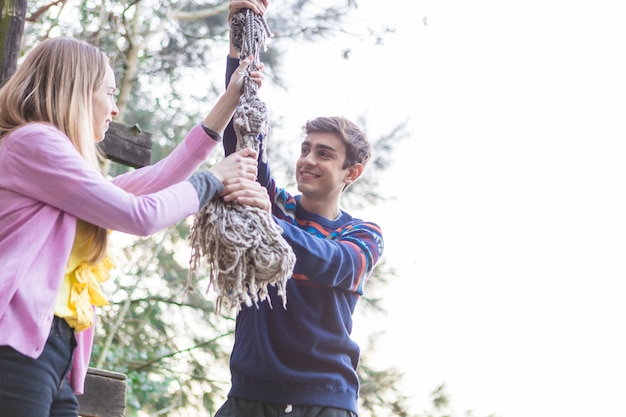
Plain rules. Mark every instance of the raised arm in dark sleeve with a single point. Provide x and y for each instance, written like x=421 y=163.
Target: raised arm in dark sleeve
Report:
x=230 y=138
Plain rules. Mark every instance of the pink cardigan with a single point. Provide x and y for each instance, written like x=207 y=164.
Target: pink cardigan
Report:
x=44 y=186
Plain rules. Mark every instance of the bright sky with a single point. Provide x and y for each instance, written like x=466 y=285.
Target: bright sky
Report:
x=509 y=230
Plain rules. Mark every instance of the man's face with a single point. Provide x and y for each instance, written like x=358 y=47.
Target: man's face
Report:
x=319 y=169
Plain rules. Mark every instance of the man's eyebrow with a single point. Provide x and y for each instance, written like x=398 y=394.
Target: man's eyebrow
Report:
x=319 y=146
x=325 y=147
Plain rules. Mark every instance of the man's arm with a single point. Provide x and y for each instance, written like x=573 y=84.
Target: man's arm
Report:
x=258 y=7
x=345 y=261
x=230 y=137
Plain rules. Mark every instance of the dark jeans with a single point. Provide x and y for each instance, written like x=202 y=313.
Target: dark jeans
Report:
x=39 y=387
x=237 y=407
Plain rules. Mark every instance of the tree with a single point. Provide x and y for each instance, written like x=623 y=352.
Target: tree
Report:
x=174 y=348
x=12 y=14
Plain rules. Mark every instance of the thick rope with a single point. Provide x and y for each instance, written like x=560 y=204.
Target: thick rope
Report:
x=242 y=245
x=249 y=32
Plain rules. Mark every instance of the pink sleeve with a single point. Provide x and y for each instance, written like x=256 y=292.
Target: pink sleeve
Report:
x=183 y=161
x=44 y=166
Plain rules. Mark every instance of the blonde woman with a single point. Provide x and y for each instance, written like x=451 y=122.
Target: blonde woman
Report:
x=56 y=209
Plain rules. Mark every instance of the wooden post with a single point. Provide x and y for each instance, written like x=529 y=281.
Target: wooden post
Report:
x=105 y=394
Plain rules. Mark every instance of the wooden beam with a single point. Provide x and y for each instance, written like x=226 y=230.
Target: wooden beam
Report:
x=128 y=145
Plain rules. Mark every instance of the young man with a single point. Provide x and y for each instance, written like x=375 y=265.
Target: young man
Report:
x=301 y=359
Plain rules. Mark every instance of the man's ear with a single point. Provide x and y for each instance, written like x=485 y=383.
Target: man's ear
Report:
x=354 y=172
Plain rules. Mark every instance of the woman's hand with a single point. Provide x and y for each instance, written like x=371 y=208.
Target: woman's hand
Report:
x=241 y=164
x=235 y=85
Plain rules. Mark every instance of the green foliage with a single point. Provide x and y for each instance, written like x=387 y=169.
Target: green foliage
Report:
x=168 y=343
x=171 y=345
x=441 y=405
x=366 y=191
x=379 y=393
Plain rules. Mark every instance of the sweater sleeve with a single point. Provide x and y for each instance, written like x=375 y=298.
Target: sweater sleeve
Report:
x=207 y=186
x=174 y=168
x=230 y=137
x=345 y=259
x=41 y=164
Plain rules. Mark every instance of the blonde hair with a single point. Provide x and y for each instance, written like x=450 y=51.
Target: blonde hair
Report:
x=55 y=84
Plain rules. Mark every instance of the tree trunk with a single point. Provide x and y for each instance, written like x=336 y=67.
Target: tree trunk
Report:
x=12 y=16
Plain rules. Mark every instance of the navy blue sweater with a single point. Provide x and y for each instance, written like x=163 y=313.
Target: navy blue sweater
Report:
x=304 y=355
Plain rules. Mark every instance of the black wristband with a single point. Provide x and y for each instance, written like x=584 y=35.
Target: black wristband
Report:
x=211 y=133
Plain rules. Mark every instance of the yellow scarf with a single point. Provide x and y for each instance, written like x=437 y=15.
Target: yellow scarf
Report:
x=80 y=290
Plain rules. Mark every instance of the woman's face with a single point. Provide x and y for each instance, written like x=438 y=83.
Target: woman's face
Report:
x=104 y=107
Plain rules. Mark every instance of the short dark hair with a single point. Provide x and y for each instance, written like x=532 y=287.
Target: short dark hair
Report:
x=358 y=148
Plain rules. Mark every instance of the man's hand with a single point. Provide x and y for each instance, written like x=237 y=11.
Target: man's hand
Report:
x=257 y=6
x=244 y=191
